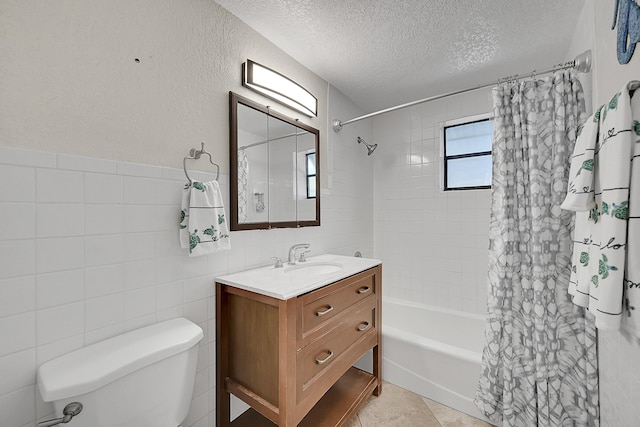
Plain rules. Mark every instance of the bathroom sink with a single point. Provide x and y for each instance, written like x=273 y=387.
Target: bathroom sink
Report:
x=312 y=269
x=294 y=280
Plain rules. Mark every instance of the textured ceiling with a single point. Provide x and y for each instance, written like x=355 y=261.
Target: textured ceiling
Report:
x=381 y=53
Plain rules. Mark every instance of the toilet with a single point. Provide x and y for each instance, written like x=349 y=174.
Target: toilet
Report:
x=143 y=378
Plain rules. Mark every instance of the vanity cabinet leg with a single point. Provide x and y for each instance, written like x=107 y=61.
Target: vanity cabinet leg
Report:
x=377 y=369
x=287 y=324
x=223 y=400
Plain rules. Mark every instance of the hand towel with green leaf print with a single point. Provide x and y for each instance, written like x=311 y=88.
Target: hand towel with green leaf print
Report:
x=203 y=223
x=600 y=240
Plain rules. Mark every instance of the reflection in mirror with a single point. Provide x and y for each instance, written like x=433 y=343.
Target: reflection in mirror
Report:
x=306 y=176
x=253 y=182
x=274 y=179
x=282 y=168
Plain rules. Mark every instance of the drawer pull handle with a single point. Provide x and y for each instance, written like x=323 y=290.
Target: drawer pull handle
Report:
x=363 y=326
x=321 y=361
x=325 y=311
x=364 y=290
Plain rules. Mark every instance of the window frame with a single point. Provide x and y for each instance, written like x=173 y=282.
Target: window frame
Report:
x=306 y=165
x=443 y=150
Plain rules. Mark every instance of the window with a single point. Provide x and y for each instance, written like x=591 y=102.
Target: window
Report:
x=466 y=147
x=311 y=175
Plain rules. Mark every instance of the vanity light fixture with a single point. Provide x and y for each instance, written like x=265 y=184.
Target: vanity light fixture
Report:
x=278 y=87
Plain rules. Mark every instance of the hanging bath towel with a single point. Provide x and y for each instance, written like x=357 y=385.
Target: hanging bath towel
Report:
x=203 y=223
x=580 y=195
x=631 y=303
x=600 y=242
x=580 y=198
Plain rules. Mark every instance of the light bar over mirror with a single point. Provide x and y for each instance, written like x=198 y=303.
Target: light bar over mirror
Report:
x=278 y=87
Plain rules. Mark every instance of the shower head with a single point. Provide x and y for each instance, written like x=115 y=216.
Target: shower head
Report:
x=370 y=147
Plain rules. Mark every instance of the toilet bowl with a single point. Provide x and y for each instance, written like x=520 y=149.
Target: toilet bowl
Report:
x=143 y=378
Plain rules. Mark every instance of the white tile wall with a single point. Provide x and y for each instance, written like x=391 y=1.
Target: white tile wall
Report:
x=433 y=243
x=59 y=288
x=18 y=221
x=89 y=250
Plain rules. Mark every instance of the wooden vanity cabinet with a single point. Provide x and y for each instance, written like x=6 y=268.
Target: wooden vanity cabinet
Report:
x=292 y=360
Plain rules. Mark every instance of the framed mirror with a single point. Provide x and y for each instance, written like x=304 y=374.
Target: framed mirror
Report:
x=274 y=179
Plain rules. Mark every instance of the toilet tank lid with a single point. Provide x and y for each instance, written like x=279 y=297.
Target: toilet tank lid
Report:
x=96 y=365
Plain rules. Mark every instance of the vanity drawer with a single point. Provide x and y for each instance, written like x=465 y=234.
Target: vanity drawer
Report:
x=318 y=307
x=330 y=351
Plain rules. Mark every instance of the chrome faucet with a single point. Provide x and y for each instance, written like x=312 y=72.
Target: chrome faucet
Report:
x=292 y=251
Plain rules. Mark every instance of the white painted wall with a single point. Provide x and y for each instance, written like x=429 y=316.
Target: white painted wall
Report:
x=70 y=82
x=88 y=237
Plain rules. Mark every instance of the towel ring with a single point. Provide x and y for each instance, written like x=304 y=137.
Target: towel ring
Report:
x=195 y=155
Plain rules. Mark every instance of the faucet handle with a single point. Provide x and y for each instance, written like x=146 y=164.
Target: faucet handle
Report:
x=278 y=262
x=302 y=257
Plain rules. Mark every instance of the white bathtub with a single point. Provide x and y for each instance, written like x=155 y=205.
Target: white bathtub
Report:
x=433 y=352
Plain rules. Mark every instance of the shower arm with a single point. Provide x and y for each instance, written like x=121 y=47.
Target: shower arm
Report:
x=581 y=63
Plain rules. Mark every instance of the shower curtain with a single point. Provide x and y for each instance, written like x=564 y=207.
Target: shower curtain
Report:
x=539 y=365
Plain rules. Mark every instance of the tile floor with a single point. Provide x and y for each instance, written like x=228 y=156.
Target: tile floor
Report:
x=397 y=407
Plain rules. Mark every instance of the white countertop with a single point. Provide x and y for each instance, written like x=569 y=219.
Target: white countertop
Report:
x=294 y=280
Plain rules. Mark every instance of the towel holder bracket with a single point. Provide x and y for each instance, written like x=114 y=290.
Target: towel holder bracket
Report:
x=195 y=154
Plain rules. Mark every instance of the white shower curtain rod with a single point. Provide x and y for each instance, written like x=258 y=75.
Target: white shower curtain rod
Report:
x=271 y=140
x=581 y=63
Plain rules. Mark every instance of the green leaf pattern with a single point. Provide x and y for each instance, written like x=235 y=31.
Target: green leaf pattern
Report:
x=612 y=105
x=584 y=258
x=194 y=239
x=586 y=165
x=183 y=215
x=596 y=116
x=618 y=211
x=621 y=211
x=604 y=267
x=594 y=214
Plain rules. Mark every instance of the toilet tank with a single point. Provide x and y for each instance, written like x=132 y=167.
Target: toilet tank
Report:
x=142 y=378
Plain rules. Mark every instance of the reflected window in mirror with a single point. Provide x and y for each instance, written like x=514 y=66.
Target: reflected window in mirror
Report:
x=311 y=175
x=273 y=159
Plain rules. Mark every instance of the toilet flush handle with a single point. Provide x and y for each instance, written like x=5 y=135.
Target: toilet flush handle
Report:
x=69 y=411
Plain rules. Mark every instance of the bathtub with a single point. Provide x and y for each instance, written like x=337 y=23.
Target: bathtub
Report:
x=433 y=352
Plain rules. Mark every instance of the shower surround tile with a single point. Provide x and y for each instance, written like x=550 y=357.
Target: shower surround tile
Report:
x=428 y=238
